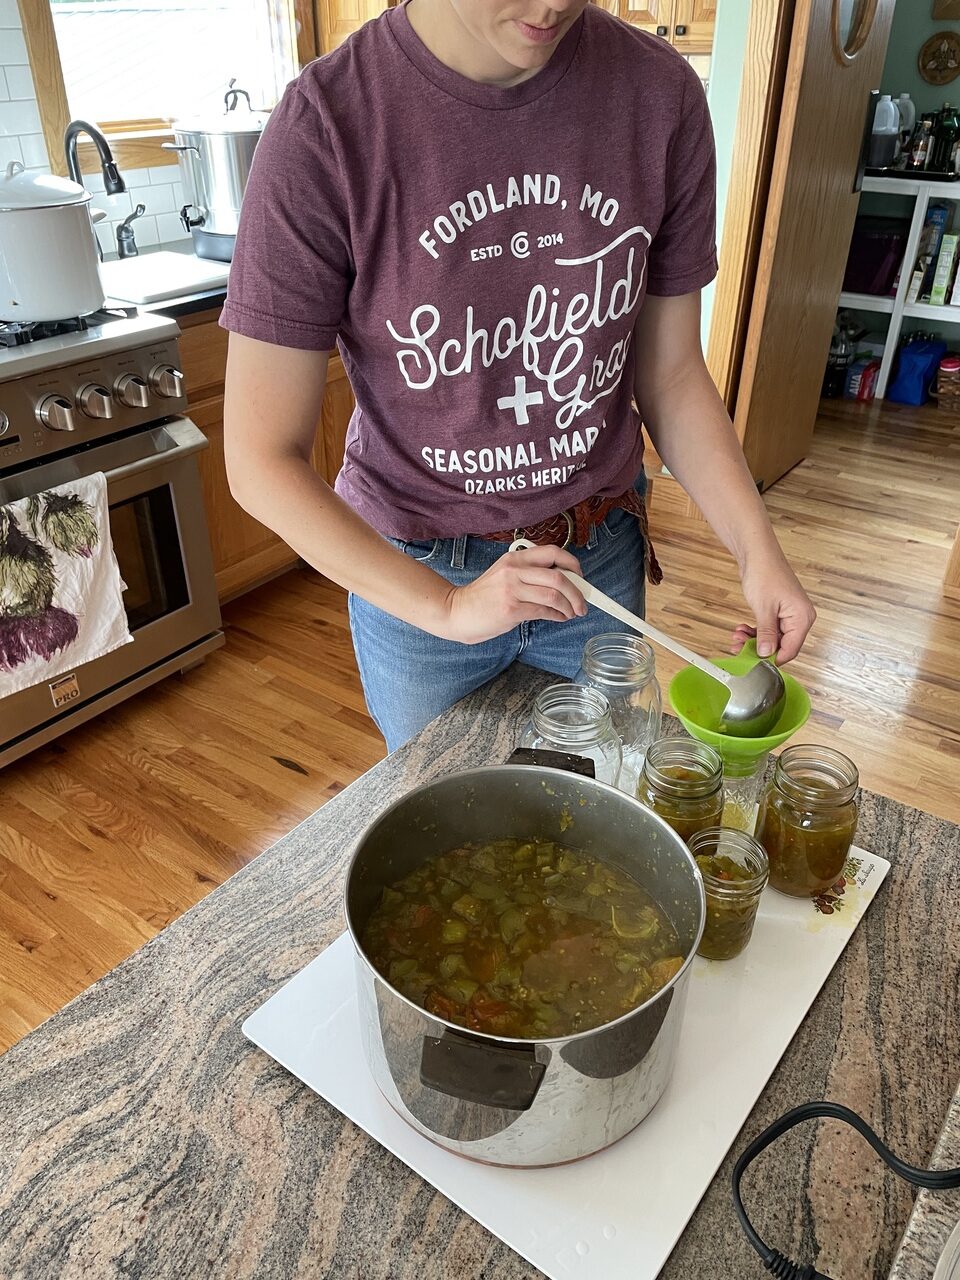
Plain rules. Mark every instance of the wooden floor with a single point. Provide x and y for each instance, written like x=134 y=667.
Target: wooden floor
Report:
x=109 y=834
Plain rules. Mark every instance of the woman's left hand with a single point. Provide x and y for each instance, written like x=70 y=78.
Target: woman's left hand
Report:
x=781 y=607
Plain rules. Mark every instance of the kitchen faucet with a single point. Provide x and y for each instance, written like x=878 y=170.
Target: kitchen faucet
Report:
x=112 y=182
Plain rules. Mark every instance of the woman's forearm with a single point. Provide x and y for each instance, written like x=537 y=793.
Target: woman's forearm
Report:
x=689 y=425
x=286 y=494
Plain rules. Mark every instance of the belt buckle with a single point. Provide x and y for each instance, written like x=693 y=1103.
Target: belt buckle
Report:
x=571 y=530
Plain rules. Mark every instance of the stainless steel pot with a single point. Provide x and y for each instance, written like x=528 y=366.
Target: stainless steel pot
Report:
x=215 y=157
x=507 y=1101
x=49 y=267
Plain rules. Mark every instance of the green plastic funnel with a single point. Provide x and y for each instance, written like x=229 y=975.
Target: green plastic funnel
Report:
x=698 y=701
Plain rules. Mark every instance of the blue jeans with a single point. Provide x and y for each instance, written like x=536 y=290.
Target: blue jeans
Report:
x=410 y=676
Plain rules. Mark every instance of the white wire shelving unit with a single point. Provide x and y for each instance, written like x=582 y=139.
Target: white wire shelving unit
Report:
x=897 y=308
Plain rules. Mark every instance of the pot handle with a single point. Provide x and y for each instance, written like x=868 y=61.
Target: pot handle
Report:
x=486 y=1073
x=554 y=760
x=179 y=146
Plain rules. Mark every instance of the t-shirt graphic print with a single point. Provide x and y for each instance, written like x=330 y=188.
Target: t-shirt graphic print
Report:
x=481 y=254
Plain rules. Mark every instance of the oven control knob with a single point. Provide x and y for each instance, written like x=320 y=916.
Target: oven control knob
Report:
x=56 y=412
x=95 y=402
x=132 y=391
x=4 y=423
x=167 y=381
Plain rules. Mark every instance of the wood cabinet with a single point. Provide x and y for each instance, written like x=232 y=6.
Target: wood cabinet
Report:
x=687 y=24
x=245 y=552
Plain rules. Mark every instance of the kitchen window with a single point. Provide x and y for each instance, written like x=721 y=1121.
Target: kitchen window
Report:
x=133 y=66
x=129 y=63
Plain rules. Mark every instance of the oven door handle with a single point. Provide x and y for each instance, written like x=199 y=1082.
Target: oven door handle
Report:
x=188 y=439
x=129 y=456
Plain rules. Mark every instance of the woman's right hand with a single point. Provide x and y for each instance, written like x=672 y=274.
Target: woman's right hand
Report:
x=522 y=586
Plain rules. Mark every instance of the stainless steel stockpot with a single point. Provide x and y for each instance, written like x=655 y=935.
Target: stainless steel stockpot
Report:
x=509 y=1101
x=215 y=156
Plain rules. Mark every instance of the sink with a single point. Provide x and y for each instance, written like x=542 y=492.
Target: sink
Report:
x=154 y=277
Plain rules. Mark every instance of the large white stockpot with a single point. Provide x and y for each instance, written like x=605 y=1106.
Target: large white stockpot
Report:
x=49 y=268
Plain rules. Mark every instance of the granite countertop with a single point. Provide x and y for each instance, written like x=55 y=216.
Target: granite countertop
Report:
x=936 y=1213
x=143 y=1136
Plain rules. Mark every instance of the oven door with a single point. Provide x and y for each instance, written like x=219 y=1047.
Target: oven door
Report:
x=160 y=538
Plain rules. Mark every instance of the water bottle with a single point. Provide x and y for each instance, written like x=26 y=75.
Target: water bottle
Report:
x=885 y=135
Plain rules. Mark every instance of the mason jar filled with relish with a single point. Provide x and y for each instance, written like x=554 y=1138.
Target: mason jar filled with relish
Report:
x=808 y=818
x=682 y=781
x=734 y=870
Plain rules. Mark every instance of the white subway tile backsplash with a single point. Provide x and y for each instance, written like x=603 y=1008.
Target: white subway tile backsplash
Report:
x=4 y=91
x=9 y=15
x=20 y=83
x=146 y=231
x=13 y=47
x=19 y=117
x=93 y=181
x=158 y=199
x=113 y=206
x=170 y=228
x=34 y=151
x=164 y=174
x=9 y=150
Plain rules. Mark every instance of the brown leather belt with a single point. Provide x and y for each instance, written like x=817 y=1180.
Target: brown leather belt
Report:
x=572 y=527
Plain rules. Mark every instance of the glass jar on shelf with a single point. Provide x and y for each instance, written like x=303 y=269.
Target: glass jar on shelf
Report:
x=734 y=868
x=622 y=667
x=576 y=719
x=808 y=818
x=682 y=781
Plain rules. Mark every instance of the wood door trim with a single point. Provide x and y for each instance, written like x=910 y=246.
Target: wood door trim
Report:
x=761 y=94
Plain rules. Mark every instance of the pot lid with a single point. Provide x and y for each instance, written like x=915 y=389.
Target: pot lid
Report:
x=241 y=120
x=20 y=189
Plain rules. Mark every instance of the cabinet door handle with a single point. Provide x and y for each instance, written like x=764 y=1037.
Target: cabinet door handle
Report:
x=680 y=31
x=663 y=31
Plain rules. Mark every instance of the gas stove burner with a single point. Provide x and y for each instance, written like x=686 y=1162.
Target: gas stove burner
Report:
x=20 y=335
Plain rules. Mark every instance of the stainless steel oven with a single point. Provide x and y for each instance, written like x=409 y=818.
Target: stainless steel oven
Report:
x=129 y=372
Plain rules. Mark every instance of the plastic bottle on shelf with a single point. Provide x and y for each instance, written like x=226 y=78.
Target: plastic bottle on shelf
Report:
x=885 y=135
x=838 y=362
x=908 y=119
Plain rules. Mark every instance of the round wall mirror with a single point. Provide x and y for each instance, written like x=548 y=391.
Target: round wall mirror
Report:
x=852 y=23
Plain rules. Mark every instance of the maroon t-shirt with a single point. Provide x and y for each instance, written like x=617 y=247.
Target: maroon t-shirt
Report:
x=481 y=253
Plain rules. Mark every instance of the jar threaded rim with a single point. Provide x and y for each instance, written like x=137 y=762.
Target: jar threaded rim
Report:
x=720 y=840
x=572 y=714
x=619 y=659
x=816 y=777
x=684 y=753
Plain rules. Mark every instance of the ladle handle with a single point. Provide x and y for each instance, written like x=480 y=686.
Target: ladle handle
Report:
x=608 y=605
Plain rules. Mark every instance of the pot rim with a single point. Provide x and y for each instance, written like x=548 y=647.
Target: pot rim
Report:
x=79 y=203
x=539 y=771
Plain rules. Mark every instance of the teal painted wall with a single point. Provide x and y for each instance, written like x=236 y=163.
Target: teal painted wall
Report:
x=912 y=25
x=726 y=73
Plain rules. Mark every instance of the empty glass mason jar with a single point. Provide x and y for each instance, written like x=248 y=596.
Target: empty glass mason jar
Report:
x=808 y=818
x=576 y=719
x=734 y=869
x=682 y=780
x=621 y=666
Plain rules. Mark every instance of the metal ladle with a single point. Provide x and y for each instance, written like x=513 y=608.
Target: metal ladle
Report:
x=756 y=699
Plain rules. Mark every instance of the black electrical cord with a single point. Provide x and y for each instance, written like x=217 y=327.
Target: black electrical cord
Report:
x=776 y=1263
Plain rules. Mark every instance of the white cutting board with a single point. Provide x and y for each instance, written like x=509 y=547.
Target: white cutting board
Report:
x=618 y=1214
x=154 y=277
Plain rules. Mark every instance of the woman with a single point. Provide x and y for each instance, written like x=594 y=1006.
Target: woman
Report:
x=504 y=211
